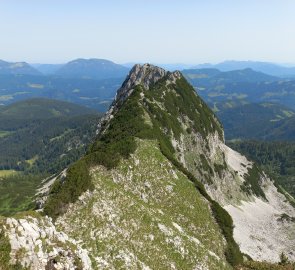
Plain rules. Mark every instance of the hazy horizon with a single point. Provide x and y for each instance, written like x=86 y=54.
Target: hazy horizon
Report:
x=130 y=64
x=169 y=32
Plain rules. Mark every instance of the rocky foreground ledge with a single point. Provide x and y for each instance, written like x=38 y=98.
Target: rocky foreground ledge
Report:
x=35 y=243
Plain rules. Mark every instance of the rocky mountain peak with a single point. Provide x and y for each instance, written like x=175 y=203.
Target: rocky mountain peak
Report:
x=145 y=75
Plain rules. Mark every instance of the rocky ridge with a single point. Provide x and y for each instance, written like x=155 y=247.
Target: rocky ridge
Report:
x=229 y=177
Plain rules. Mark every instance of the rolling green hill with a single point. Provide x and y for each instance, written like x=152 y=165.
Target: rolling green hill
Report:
x=283 y=131
x=266 y=121
x=42 y=108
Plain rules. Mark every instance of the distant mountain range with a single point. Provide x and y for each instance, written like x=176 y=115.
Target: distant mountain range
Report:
x=103 y=69
x=97 y=69
x=47 y=69
x=250 y=104
x=97 y=94
x=213 y=76
x=241 y=87
x=17 y=68
x=237 y=96
x=265 y=67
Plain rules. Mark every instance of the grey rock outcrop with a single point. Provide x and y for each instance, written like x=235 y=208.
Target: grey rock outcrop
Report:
x=36 y=244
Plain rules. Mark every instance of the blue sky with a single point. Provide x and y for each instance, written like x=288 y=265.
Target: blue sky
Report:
x=159 y=31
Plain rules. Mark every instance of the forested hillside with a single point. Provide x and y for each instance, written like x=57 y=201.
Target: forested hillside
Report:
x=38 y=138
x=260 y=121
x=276 y=158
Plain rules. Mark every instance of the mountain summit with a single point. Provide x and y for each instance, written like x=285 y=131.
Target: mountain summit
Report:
x=152 y=190
x=145 y=75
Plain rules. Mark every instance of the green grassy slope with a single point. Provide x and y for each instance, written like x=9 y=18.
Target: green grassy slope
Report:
x=148 y=201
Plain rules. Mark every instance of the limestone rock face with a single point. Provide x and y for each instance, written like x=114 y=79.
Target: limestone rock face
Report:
x=265 y=228
x=260 y=230
x=36 y=244
x=144 y=75
x=44 y=190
